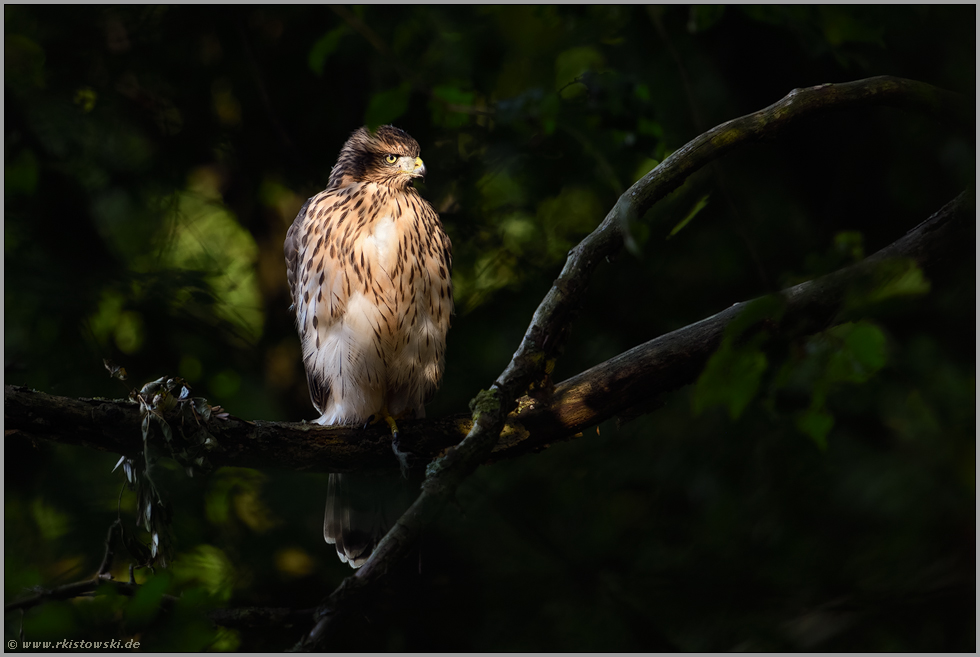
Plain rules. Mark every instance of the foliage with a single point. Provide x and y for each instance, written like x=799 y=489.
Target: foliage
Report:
x=816 y=494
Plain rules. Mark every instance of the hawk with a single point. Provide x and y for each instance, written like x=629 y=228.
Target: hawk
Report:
x=368 y=265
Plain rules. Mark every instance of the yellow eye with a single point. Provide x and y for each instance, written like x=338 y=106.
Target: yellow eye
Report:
x=390 y=159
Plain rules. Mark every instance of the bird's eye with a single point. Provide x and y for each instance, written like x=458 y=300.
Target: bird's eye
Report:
x=390 y=159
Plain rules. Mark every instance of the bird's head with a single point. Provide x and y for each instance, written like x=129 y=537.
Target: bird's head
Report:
x=388 y=156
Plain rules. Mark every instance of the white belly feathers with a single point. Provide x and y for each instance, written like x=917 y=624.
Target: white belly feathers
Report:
x=371 y=318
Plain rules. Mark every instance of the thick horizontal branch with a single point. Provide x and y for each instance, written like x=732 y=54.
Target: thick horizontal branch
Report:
x=610 y=388
x=85 y=587
x=234 y=617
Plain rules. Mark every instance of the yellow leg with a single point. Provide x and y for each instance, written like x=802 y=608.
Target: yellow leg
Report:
x=395 y=439
x=386 y=416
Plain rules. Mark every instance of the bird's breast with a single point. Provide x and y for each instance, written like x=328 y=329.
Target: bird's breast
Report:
x=382 y=242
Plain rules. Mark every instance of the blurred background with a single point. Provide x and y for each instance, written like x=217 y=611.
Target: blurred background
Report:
x=155 y=156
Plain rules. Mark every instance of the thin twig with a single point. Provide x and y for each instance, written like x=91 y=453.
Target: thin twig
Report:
x=114 y=529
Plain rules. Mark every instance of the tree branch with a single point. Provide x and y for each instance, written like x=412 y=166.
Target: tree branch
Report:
x=114 y=425
x=235 y=617
x=593 y=396
x=528 y=370
x=78 y=589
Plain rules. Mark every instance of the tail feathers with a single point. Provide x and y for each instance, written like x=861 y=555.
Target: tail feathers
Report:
x=360 y=510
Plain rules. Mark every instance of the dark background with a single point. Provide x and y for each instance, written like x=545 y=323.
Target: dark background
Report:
x=154 y=157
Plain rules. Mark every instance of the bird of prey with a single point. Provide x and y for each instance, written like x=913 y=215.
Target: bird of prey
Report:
x=368 y=265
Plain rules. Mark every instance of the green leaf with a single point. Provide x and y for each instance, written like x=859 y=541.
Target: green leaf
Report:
x=700 y=205
x=23 y=62
x=899 y=279
x=730 y=379
x=146 y=603
x=324 y=47
x=208 y=566
x=651 y=128
x=703 y=17
x=860 y=355
x=444 y=98
x=816 y=423
x=850 y=244
x=549 y=108
x=386 y=106
x=841 y=26
x=769 y=307
x=453 y=94
x=165 y=428
x=572 y=63
x=20 y=173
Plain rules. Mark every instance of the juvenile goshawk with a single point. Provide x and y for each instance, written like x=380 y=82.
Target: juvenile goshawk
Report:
x=369 y=265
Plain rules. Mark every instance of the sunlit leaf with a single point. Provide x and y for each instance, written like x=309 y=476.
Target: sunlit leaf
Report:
x=208 y=238
x=85 y=98
x=209 y=566
x=903 y=278
x=572 y=63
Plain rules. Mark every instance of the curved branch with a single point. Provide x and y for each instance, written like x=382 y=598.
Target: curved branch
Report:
x=610 y=388
x=545 y=337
